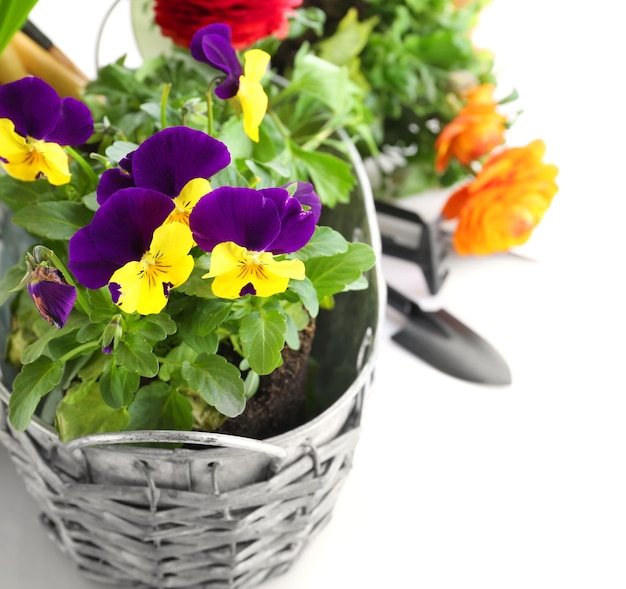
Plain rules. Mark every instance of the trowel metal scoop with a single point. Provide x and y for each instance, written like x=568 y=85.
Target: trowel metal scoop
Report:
x=447 y=344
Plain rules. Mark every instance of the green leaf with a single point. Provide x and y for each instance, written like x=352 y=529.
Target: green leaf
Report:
x=18 y=194
x=229 y=176
x=14 y=15
x=159 y=406
x=332 y=177
x=34 y=381
x=154 y=327
x=349 y=39
x=41 y=345
x=119 y=150
x=331 y=274
x=175 y=360
x=307 y=293
x=90 y=332
x=83 y=412
x=262 y=337
x=218 y=382
x=117 y=385
x=210 y=315
x=325 y=242
x=53 y=220
x=321 y=79
x=10 y=280
x=135 y=354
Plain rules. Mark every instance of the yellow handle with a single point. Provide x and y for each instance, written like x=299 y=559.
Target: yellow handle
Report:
x=41 y=63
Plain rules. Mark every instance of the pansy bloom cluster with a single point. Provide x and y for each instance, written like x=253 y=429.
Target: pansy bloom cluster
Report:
x=156 y=239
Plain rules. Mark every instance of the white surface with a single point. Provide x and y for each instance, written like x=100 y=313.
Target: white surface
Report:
x=470 y=486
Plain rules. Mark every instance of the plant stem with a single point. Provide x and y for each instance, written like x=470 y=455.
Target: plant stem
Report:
x=78 y=351
x=164 y=96
x=83 y=164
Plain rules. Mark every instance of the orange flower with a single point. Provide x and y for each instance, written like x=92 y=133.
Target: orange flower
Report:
x=504 y=203
x=474 y=132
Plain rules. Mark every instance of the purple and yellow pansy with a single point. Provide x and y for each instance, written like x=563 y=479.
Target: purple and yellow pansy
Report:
x=212 y=45
x=245 y=230
x=35 y=124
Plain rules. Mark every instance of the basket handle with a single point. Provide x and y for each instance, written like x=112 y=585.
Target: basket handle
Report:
x=177 y=437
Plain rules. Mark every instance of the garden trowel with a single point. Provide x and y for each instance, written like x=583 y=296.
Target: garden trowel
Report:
x=445 y=343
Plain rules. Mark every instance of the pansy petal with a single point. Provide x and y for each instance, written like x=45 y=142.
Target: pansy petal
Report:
x=86 y=263
x=305 y=193
x=189 y=196
x=170 y=158
x=121 y=231
x=238 y=271
x=254 y=103
x=74 y=125
x=111 y=181
x=297 y=225
x=241 y=215
x=144 y=286
x=212 y=45
x=170 y=246
x=134 y=294
x=32 y=105
x=29 y=161
x=54 y=163
x=255 y=64
x=12 y=145
x=123 y=227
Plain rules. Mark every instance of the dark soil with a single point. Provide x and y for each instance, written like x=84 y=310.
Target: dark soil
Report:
x=279 y=404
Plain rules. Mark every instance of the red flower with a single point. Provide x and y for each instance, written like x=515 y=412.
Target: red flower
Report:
x=249 y=20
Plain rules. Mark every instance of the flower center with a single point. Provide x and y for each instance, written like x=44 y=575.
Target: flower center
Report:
x=252 y=263
x=152 y=267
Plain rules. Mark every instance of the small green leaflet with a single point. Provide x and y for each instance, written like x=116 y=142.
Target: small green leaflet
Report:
x=324 y=242
x=160 y=406
x=331 y=176
x=135 y=354
x=218 y=382
x=262 y=339
x=330 y=275
x=33 y=382
x=117 y=385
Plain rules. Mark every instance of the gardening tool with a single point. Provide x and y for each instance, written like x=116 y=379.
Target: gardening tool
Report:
x=436 y=337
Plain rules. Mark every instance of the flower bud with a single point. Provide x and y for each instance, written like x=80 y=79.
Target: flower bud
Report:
x=112 y=334
x=52 y=295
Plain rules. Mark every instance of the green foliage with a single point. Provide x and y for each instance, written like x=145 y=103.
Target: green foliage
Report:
x=13 y=16
x=412 y=61
x=196 y=363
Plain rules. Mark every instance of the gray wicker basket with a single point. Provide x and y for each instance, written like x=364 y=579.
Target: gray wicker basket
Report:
x=226 y=515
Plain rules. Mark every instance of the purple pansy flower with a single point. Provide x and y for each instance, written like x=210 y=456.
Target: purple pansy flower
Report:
x=267 y=220
x=166 y=163
x=37 y=111
x=212 y=45
x=34 y=125
x=52 y=295
x=121 y=231
x=244 y=229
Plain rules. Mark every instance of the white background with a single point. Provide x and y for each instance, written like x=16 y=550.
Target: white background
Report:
x=457 y=485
